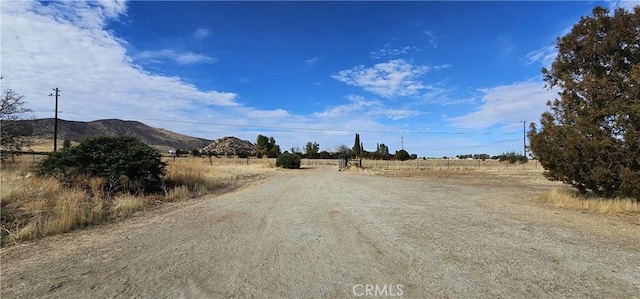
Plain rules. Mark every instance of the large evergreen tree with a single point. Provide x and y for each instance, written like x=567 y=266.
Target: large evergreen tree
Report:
x=590 y=138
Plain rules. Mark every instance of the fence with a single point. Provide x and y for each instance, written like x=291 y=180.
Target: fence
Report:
x=418 y=164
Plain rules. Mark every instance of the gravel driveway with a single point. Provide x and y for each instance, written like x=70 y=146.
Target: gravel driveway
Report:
x=320 y=233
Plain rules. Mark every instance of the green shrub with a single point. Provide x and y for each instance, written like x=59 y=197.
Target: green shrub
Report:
x=288 y=160
x=125 y=163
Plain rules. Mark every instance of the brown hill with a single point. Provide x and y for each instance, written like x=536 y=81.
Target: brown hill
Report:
x=232 y=146
x=161 y=139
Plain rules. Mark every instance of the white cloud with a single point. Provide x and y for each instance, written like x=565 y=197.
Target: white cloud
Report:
x=387 y=51
x=201 y=33
x=431 y=38
x=61 y=45
x=507 y=105
x=388 y=79
x=626 y=4
x=545 y=55
x=179 y=57
x=359 y=106
x=310 y=62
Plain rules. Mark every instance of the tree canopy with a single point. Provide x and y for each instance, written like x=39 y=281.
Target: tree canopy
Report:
x=590 y=137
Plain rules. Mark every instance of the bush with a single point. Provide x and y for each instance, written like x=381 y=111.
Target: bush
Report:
x=512 y=157
x=287 y=160
x=125 y=163
x=402 y=155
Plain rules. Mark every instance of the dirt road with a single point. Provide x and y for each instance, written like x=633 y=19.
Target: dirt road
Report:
x=319 y=233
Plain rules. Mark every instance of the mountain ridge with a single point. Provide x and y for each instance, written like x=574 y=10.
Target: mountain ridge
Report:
x=159 y=138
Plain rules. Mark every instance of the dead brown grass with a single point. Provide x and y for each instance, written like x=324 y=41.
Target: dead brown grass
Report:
x=33 y=207
x=566 y=198
x=194 y=176
x=526 y=176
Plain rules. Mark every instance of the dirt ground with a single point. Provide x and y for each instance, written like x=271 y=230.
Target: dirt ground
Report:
x=320 y=233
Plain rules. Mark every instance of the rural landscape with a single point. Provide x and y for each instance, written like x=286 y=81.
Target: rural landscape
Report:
x=203 y=207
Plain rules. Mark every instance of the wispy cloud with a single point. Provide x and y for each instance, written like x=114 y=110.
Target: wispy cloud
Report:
x=506 y=105
x=201 y=33
x=179 y=57
x=389 y=79
x=358 y=105
x=431 y=39
x=545 y=55
x=387 y=51
x=311 y=62
x=626 y=4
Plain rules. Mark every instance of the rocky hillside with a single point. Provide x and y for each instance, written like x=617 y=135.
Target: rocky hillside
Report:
x=161 y=139
x=232 y=146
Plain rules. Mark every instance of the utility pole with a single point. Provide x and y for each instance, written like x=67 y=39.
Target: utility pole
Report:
x=402 y=142
x=55 y=123
x=524 y=138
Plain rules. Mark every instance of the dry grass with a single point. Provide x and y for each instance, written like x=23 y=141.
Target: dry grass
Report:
x=195 y=177
x=565 y=198
x=33 y=207
x=126 y=204
x=452 y=165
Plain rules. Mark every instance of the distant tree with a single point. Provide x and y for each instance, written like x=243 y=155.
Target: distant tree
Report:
x=267 y=146
x=512 y=157
x=382 y=152
x=66 y=143
x=481 y=156
x=343 y=149
x=357 y=146
x=262 y=142
x=195 y=152
x=13 y=128
x=324 y=155
x=590 y=138
x=402 y=155
x=311 y=149
x=414 y=156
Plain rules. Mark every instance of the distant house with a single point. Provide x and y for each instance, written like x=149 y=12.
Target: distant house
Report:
x=172 y=152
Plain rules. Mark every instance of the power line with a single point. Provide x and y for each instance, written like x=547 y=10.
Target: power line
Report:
x=299 y=128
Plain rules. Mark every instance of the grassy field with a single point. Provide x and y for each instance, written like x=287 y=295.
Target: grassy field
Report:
x=33 y=207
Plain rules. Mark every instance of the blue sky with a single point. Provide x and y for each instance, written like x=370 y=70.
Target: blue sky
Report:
x=450 y=77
